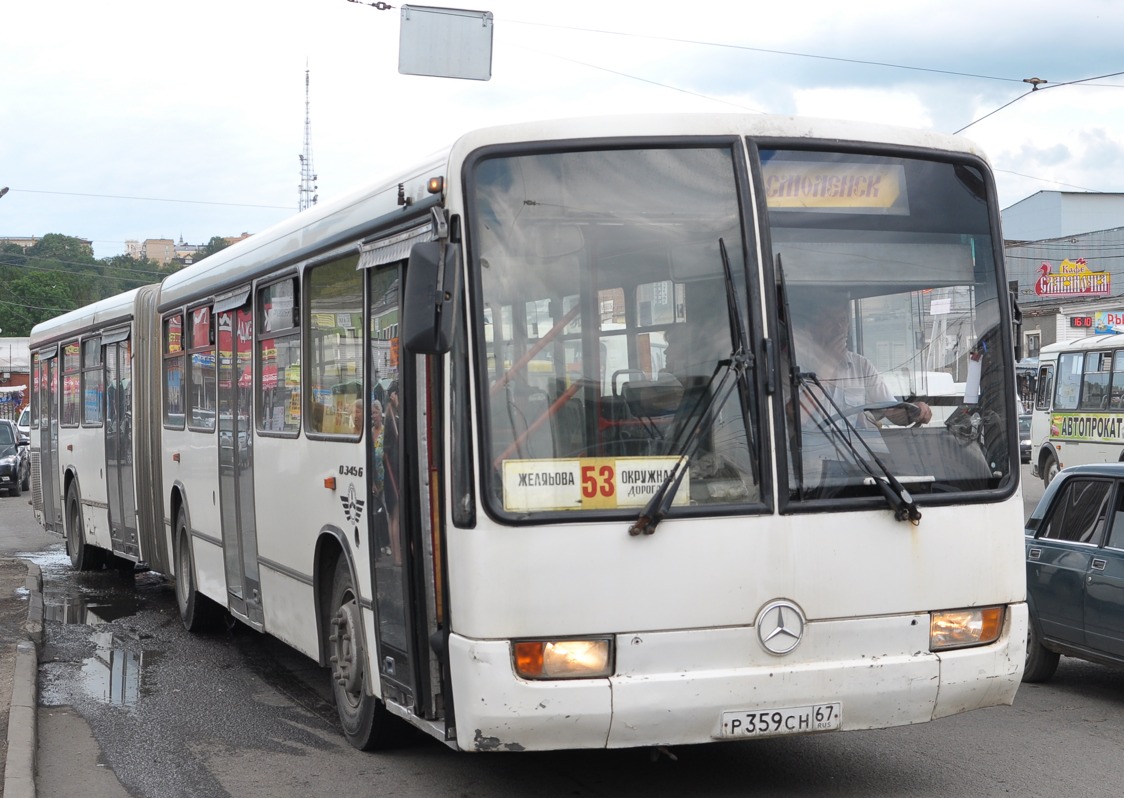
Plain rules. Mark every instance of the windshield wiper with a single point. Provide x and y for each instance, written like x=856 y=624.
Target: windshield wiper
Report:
x=840 y=427
x=734 y=371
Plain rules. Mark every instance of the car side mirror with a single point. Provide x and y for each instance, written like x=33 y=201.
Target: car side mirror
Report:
x=24 y=440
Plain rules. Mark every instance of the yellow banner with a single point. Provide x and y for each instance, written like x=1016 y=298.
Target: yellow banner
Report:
x=1099 y=427
x=835 y=186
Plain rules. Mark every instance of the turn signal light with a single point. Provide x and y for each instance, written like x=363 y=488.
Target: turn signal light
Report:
x=563 y=659
x=977 y=626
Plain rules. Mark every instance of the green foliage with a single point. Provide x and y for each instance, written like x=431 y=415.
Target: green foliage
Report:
x=211 y=247
x=59 y=273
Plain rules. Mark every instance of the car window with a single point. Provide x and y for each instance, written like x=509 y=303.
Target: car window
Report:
x=6 y=434
x=1116 y=532
x=1079 y=512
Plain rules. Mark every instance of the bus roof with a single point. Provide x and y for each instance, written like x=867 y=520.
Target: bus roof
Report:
x=103 y=313
x=1104 y=341
x=755 y=125
x=378 y=206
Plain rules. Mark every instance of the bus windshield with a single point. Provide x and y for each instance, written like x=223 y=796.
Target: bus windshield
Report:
x=891 y=322
x=604 y=319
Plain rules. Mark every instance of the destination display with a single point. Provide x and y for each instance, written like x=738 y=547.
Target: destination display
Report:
x=587 y=483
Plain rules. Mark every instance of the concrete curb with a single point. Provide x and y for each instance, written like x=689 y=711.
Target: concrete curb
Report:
x=19 y=767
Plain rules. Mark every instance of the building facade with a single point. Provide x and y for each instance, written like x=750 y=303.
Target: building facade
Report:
x=1069 y=278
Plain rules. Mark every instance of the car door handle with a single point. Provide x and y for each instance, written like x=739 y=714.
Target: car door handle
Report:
x=1099 y=563
x=1034 y=554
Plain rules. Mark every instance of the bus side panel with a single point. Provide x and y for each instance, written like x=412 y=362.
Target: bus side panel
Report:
x=290 y=610
x=82 y=453
x=197 y=473
x=292 y=505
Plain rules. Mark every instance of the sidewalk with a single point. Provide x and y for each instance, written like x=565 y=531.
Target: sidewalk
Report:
x=20 y=636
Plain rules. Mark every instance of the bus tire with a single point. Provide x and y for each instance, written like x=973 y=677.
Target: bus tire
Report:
x=1049 y=469
x=83 y=557
x=365 y=719
x=196 y=610
x=1041 y=662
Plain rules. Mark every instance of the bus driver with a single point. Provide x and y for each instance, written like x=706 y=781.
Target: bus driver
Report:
x=821 y=323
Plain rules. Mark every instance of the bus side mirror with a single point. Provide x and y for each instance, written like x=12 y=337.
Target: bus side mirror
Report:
x=431 y=296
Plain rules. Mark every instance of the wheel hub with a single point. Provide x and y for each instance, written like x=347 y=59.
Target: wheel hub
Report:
x=347 y=662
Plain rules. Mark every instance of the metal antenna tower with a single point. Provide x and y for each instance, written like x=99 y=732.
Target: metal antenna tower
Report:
x=307 y=188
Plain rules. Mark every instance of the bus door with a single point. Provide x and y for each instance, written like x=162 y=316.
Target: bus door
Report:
x=49 y=441
x=121 y=494
x=234 y=319
x=397 y=561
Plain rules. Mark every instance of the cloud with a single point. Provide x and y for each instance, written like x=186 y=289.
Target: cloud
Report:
x=141 y=99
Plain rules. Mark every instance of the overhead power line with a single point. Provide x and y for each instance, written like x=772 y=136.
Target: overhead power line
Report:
x=152 y=199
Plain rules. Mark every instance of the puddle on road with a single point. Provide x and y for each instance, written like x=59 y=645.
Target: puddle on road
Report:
x=113 y=674
x=116 y=674
x=91 y=610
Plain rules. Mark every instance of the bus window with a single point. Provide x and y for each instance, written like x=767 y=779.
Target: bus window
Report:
x=71 y=384
x=279 y=358
x=888 y=267
x=1069 y=380
x=335 y=335
x=1046 y=388
x=1116 y=392
x=173 y=371
x=92 y=380
x=202 y=381
x=579 y=371
x=1094 y=384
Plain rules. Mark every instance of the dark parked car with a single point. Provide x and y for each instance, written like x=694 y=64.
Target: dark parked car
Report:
x=1075 y=570
x=1025 y=444
x=15 y=459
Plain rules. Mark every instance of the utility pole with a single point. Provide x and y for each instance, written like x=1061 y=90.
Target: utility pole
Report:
x=307 y=188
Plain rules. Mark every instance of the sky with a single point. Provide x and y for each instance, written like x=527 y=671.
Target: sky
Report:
x=134 y=119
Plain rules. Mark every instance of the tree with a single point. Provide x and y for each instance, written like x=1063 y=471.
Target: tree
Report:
x=211 y=247
x=55 y=246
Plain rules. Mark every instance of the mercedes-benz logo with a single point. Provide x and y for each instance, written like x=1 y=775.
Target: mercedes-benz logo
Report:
x=780 y=626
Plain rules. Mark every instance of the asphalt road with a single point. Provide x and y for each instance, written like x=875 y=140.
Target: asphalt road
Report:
x=242 y=715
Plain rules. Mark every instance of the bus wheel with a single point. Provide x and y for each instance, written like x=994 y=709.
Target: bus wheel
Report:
x=196 y=610
x=1041 y=662
x=364 y=718
x=82 y=556
x=1049 y=470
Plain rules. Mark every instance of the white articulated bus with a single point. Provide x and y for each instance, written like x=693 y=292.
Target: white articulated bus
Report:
x=509 y=442
x=1078 y=413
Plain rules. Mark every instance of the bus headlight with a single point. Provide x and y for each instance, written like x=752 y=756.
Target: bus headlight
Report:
x=563 y=659
x=977 y=626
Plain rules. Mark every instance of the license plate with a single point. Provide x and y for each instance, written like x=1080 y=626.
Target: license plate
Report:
x=782 y=720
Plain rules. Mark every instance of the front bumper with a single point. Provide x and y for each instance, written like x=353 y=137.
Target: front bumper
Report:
x=672 y=687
